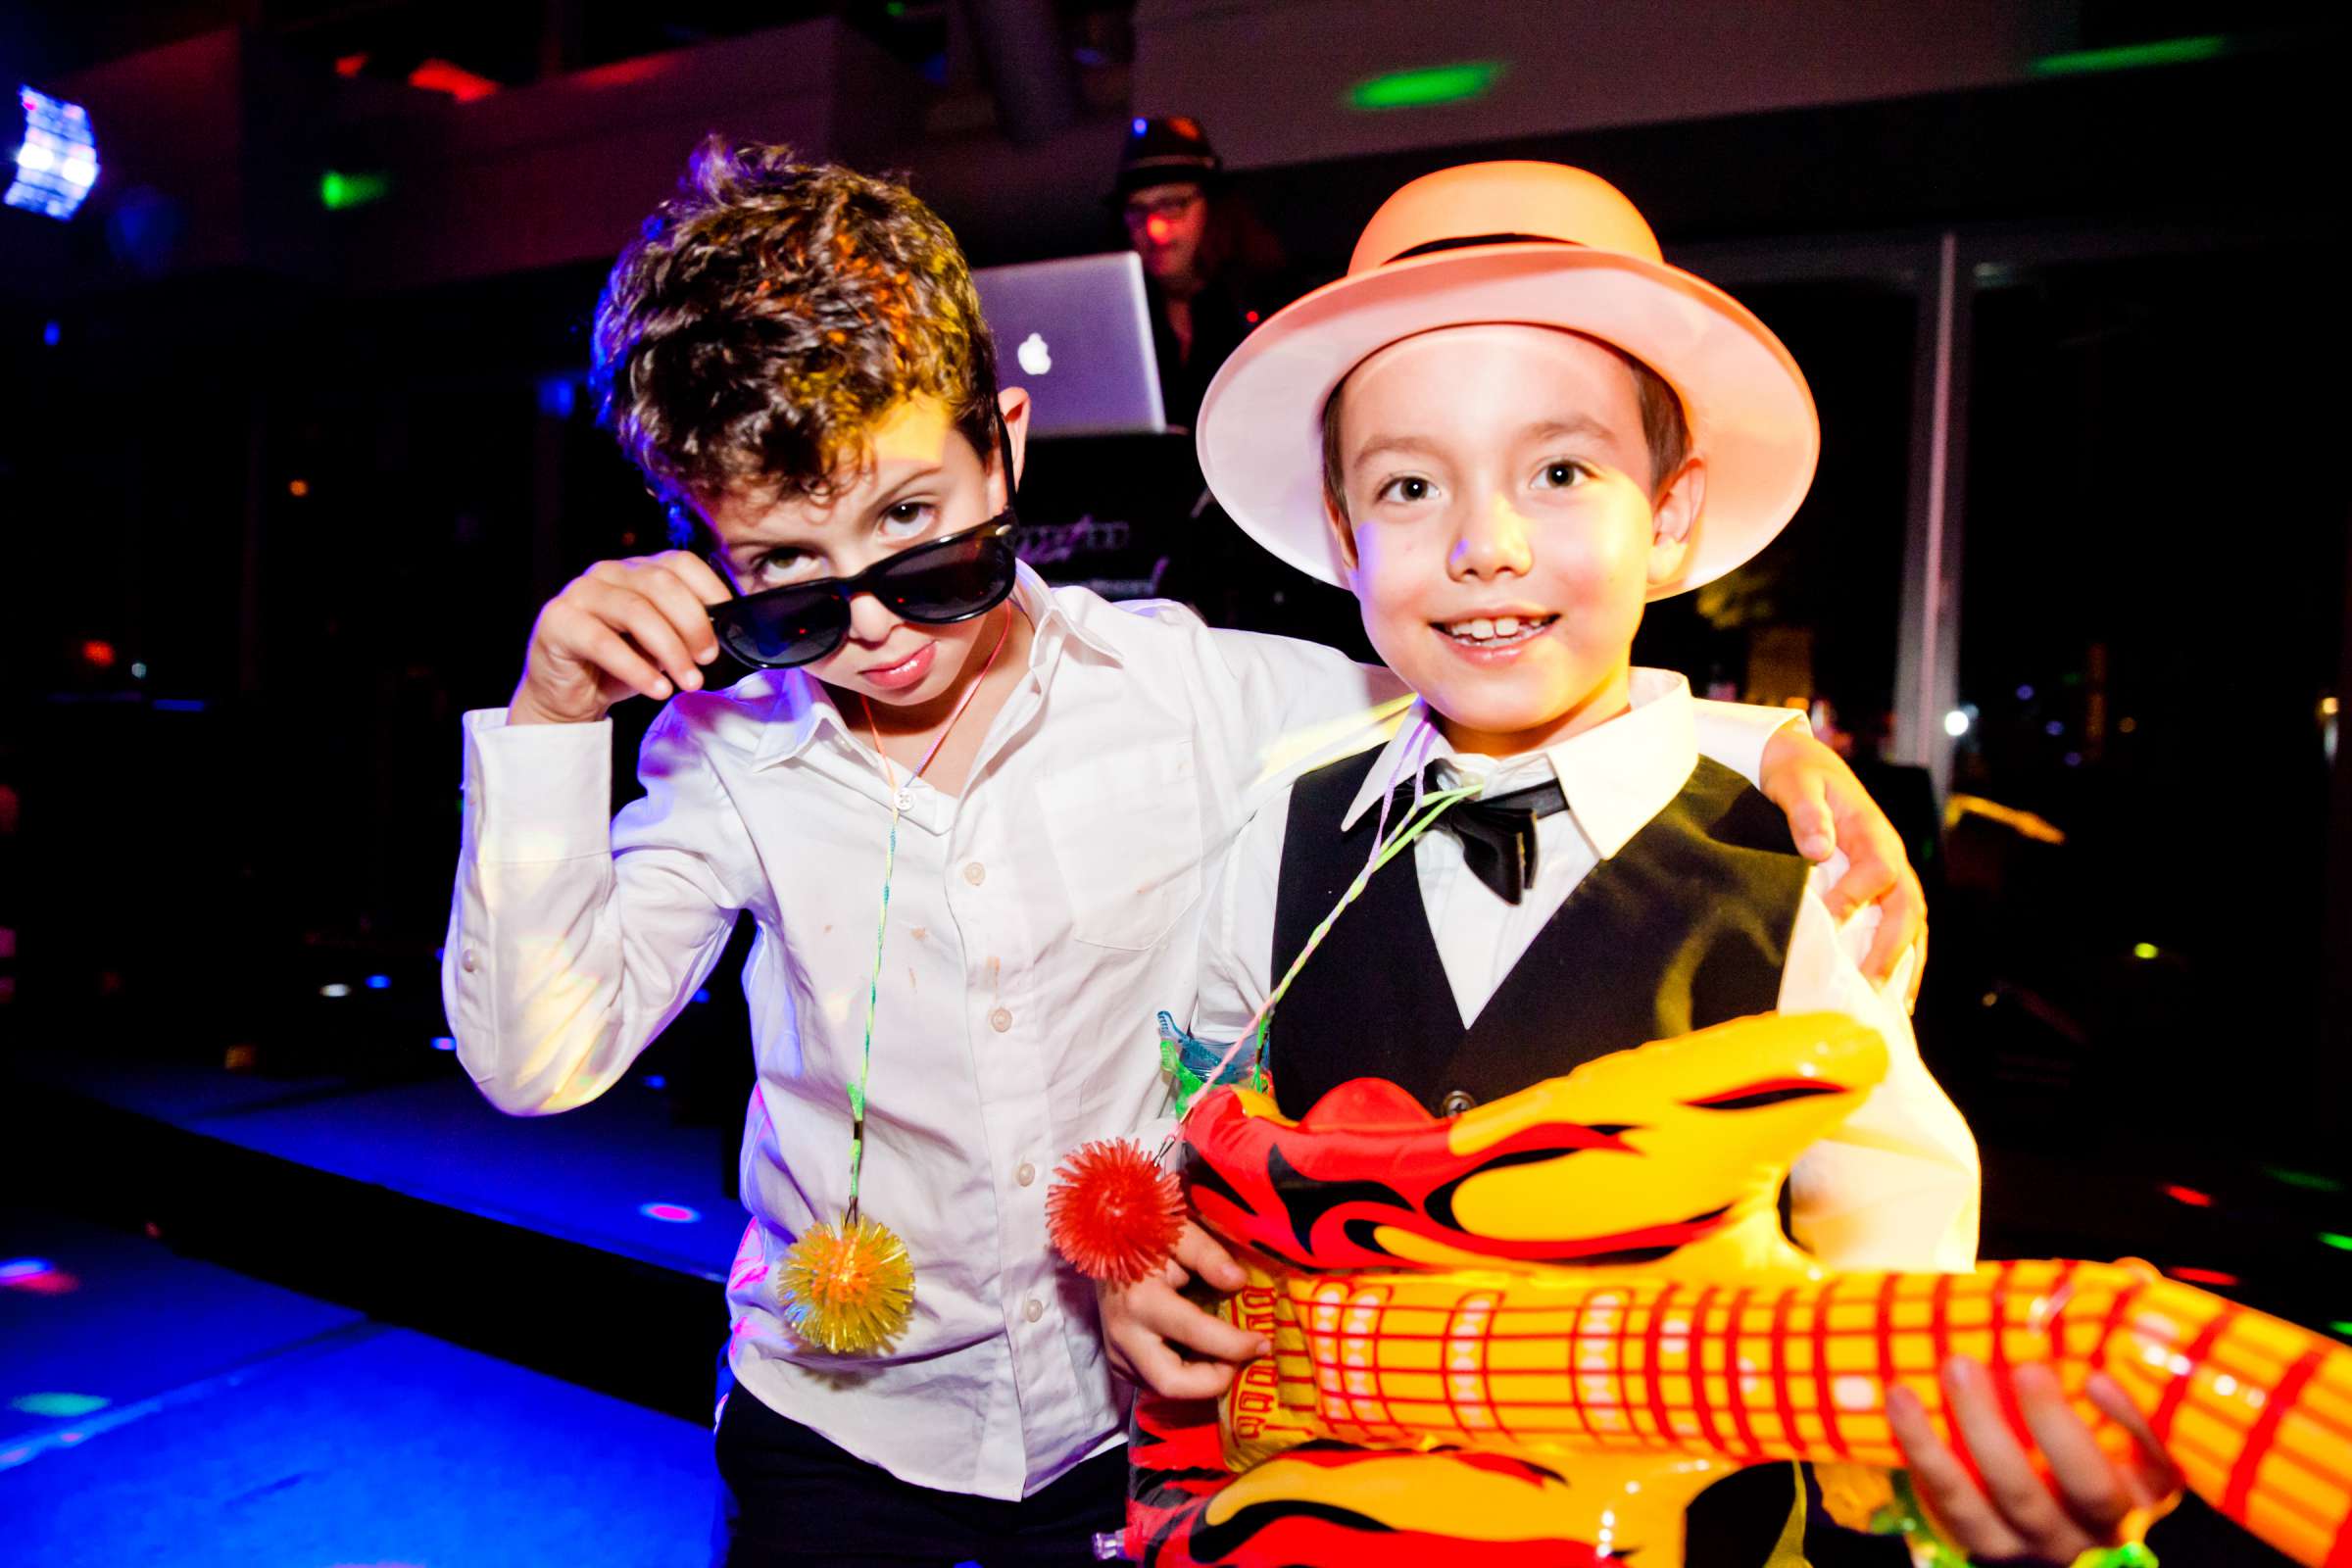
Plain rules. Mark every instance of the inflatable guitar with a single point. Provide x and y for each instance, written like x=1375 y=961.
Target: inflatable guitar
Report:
x=1534 y=1332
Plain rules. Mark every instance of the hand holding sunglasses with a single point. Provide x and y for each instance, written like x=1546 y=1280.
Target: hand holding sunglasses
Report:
x=640 y=625
x=938 y=583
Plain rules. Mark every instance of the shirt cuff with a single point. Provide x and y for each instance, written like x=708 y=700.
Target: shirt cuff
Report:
x=537 y=791
x=1736 y=734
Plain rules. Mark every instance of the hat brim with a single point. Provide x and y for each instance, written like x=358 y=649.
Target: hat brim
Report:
x=1751 y=414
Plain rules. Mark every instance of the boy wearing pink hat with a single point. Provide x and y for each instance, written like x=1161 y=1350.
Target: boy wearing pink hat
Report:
x=1506 y=428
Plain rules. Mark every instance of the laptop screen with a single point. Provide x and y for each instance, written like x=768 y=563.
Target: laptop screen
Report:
x=1076 y=334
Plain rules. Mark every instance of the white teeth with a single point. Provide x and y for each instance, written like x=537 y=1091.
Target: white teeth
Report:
x=1498 y=629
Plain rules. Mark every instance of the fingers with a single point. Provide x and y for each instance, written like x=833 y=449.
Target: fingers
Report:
x=683 y=604
x=1144 y=1324
x=598 y=644
x=2027 y=1505
x=1201 y=1253
x=656 y=610
x=701 y=580
x=2155 y=1481
x=1902 y=925
x=1160 y=1369
x=1173 y=1318
x=1810 y=822
x=2092 y=1486
x=1942 y=1482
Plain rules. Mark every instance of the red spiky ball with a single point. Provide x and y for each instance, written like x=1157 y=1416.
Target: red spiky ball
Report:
x=1114 y=1213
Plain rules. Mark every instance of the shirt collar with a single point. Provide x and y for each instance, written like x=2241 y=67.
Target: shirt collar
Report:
x=1616 y=775
x=803 y=707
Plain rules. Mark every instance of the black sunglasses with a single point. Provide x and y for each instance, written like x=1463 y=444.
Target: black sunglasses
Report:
x=948 y=580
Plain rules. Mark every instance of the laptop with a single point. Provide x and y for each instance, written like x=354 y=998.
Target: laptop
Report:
x=1076 y=334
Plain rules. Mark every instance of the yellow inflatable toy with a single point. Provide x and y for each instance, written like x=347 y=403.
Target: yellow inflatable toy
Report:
x=1534 y=1332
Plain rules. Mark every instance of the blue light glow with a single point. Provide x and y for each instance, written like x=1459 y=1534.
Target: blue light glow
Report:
x=654 y=1080
x=16 y=1268
x=702 y=995
x=443 y=1043
x=58 y=1405
x=1137 y=128
x=57 y=163
x=379 y=982
x=176 y=705
x=51 y=332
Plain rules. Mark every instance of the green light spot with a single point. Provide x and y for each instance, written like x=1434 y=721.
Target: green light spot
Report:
x=2303 y=1179
x=2344 y=1330
x=896 y=7
x=2132 y=55
x=58 y=1405
x=2143 y=950
x=1426 y=85
x=337 y=191
x=2342 y=1244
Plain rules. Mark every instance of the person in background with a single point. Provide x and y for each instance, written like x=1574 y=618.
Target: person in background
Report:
x=1210 y=267
x=1211 y=271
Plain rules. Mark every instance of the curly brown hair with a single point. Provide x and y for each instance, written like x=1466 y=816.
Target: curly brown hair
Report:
x=770 y=316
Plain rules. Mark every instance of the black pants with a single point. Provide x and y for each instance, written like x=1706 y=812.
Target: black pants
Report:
x=787 y=1496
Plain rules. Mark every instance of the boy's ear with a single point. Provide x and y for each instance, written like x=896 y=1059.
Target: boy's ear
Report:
x=1012 y=405
x=1673 y=517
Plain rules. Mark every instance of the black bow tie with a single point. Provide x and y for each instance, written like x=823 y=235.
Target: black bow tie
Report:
x=1497 y=831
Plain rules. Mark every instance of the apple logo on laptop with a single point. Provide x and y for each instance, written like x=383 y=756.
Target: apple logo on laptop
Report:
x=1035 y=357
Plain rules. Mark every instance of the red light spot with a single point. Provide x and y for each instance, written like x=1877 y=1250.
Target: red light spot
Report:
x=1159 y=228
x=2189 y=1196
x=99 y=654
x=351 y=65
x=50 y=1282
x=298 y=488
x=1251 y=317
x=2202 y=1276
x=439 y=75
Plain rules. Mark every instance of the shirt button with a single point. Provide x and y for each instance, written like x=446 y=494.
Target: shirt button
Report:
x=470 y=961
x=1456 y=1101
x=999 y=1020
x=1026 y=1174
x=975 y=873
x=1033 y=1310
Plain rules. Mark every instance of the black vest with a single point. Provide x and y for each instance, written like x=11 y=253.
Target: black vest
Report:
x=1686 y=925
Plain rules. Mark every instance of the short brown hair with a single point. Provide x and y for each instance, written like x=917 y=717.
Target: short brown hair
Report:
x=770 y=316
x=1664 y=429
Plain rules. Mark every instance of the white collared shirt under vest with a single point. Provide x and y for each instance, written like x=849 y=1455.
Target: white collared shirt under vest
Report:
x=1896 y=1186
x=1038 y=923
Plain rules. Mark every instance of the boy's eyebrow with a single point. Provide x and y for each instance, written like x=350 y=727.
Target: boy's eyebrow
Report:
x=1407 y=445
x=1577 y=424
x=759 y=542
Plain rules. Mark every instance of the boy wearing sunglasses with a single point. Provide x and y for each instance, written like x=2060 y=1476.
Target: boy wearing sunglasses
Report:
x=1041 y=780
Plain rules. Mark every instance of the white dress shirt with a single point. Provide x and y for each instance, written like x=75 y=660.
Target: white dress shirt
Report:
x=1038 y=922
x=1896 y=1186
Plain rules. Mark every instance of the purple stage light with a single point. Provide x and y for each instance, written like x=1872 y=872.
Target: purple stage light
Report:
x=669 y=1213
x=443 y=1043
x=16 y=1268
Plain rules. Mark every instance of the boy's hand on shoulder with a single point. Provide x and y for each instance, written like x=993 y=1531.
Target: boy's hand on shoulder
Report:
x=639 y=625
x=2074 y=1501
x=1828 y=810
x=1144 y=1323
